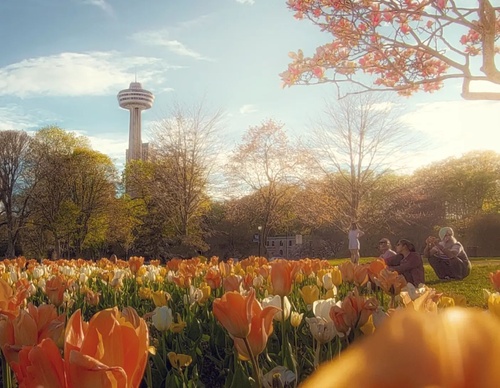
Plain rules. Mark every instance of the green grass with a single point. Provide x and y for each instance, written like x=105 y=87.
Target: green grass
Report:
x=471 y=287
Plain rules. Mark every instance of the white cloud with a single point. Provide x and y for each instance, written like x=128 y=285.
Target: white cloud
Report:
x=102 y=4
x=247 y=109
x=251 y=2
x=14 y=117
x=76 y=74
x=160 y=38
x=452 y=128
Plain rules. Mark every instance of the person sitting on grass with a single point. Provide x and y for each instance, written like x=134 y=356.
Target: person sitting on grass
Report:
x=447 y=257
x=384 y=246
x=407 y=263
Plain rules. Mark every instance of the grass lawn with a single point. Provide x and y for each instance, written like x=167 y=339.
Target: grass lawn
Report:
x=471 y=287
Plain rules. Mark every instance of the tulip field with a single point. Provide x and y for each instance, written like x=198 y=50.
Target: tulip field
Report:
x=252 y=323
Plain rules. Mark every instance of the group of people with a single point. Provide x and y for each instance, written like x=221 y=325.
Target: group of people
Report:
x=445 y=254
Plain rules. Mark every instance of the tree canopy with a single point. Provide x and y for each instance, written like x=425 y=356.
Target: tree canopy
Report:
x=400 y=45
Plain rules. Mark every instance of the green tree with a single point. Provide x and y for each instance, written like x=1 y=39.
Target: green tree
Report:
x=74 y=190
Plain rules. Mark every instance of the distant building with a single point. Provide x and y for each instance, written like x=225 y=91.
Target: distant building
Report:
x=288 y=247
x=135 y=99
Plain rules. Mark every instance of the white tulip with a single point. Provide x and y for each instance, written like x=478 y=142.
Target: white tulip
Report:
x=162 y=318
x=276 y=302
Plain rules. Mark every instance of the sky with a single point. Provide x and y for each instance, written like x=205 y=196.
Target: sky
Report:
x=64 y=61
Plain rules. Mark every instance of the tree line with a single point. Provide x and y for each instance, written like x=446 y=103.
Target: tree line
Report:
x=59 y=198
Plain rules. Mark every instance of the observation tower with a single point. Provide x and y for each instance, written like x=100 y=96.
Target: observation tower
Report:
x=135 y=99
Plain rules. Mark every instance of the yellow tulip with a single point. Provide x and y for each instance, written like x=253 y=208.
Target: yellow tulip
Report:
x=494 y=303
x=296 y=318
x=160 y=298
x=177 y=327
x=145 y=293
x=179 y=361
x=446 y=302
x=336 y=276
x=310 y=294
x=207 y=291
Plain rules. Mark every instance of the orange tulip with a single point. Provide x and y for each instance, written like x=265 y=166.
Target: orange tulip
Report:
x=495 y=280
x=458 y=348
x=232 y=283
x=40 y=366
x=360 y=275
x=282 y=275
x=391 y=282
x=354 y=312
x=234 y=312
x=10 y=301
x=112 y=346
x=213 y=278
x=347 y=270
x=135 y=263
x=261 y=329
x=55 y=288
x=375 y=267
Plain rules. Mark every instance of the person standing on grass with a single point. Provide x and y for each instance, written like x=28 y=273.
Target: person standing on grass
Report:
x=354 y=235
x=447 y=257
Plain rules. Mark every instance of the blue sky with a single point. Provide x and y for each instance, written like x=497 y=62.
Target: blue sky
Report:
x=64 y=61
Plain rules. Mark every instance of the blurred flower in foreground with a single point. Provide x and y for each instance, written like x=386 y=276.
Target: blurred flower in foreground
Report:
x=458 y=348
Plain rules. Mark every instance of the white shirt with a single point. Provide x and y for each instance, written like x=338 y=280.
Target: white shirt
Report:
x=353 y=238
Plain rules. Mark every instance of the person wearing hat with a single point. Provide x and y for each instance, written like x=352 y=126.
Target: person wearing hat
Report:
x=384 y=246
x=447 y=257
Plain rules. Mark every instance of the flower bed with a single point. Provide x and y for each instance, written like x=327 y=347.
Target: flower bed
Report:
x=201 y=322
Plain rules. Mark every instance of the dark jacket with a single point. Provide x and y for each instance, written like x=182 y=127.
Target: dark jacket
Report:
x=411 y=267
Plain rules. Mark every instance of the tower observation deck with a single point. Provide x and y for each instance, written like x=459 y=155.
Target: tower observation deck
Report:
x=135 y=99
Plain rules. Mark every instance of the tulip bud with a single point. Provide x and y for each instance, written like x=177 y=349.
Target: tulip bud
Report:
x=296 y=318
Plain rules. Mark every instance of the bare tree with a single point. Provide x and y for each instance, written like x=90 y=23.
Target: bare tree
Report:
x=184 y=158
x=266 y=165
x=15 y=184
x=352 y=146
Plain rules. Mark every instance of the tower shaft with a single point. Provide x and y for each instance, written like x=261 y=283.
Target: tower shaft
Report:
x=134 y=137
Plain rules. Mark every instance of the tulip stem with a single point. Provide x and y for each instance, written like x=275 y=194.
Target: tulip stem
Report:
x=255 y=364
x=6 y=373
x=283 y=347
